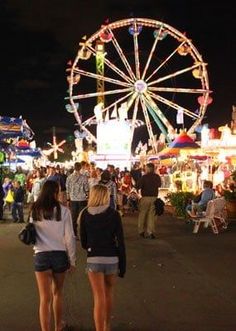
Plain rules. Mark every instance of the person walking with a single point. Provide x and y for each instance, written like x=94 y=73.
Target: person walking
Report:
x=55 y=252
x=77 y=189
x=148 y=186
x=8 y=193
x=101 y=235
x=126 y=184
x=18 y=203
x=136 y=173
x=37 y=184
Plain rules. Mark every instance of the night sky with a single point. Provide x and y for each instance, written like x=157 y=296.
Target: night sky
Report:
x=38 y=38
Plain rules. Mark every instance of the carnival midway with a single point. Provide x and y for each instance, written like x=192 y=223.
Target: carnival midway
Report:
x=131 y=108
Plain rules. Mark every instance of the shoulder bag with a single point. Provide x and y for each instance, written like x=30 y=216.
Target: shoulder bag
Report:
x=27 y=235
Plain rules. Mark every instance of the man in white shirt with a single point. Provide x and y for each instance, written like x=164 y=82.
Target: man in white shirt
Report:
x=77 y=189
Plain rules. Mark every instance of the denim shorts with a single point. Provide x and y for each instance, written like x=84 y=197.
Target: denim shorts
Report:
x=105 y=268
x=57 y=261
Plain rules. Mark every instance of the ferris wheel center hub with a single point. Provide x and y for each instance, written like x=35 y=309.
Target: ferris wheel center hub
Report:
x=140 y=86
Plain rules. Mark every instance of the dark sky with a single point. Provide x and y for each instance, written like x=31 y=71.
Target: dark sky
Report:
x=39 y=37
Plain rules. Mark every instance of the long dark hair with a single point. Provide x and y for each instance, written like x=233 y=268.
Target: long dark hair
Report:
x=44 y=206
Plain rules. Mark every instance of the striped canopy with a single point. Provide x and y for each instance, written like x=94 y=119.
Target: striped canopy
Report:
x=168 y=152
x=183 y=141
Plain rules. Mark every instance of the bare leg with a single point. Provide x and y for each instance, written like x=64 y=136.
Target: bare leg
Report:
x=57 y=299
x=110 y=281
x=44 y=281
x=98 y=287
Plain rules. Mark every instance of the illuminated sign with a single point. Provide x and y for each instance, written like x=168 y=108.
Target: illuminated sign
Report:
x=113 y=137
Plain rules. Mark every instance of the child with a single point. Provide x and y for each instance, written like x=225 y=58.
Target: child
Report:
x=17 y=206
x=8 y=192
x=132 y=199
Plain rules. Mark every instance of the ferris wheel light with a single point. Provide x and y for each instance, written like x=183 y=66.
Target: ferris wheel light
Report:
x=106 y=36
x=84 y=53
x=71 y=109
x=135 y=29
x=197 y=73
x=74 y=80
x=160 y=34
x=202 y=100
x=183 y=50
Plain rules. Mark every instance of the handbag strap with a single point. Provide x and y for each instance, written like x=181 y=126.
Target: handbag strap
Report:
x=28 y=218
x=80 y=214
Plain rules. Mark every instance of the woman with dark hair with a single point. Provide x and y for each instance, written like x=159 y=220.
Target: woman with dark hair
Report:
x=101 y=234
x=55 y=250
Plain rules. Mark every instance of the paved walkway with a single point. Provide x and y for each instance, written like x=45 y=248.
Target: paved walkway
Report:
x=178 y=282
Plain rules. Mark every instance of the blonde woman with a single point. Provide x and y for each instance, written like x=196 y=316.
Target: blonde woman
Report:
x=101 y=234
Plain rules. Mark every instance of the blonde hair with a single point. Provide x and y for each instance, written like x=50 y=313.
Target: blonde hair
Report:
x=99 y=195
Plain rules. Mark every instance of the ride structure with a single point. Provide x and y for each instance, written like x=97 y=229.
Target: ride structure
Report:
x=55 y=147
x=149 y=73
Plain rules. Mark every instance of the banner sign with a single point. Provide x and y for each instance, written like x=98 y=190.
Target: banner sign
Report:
x=11 y=126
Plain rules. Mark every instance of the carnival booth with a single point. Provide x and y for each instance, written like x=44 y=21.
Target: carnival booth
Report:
x=15 y=135
x=182 y=175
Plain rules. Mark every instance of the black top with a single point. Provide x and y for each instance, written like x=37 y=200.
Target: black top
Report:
x=102 y=235
x=136 y=174
x=19 y=194
x=149 y=185
x=2 y=194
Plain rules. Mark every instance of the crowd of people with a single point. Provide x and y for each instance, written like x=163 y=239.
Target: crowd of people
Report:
x=27 y=185
x=83 y=205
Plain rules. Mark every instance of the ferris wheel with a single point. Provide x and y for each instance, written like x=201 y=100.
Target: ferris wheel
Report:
x=144 y=67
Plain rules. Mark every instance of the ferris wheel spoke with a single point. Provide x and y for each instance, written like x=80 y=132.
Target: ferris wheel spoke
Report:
x=195 y=124
x=97 y=94
x=178 y=90
x=134 y=117
x=131 y=100
x=112 y=66
x=164 y=62
x=174 y=105
x=148 y=124
x=151 y=52
x=100 y=77
x=122 y=56
x=158 y=112
x=177 y=73
x=91 y=119
x=77 y=116
x=136 y=54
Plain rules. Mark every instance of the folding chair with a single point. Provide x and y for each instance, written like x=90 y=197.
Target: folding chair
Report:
x=214 y=216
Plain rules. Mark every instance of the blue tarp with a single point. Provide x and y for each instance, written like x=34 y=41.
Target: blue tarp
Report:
x=34 y=152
